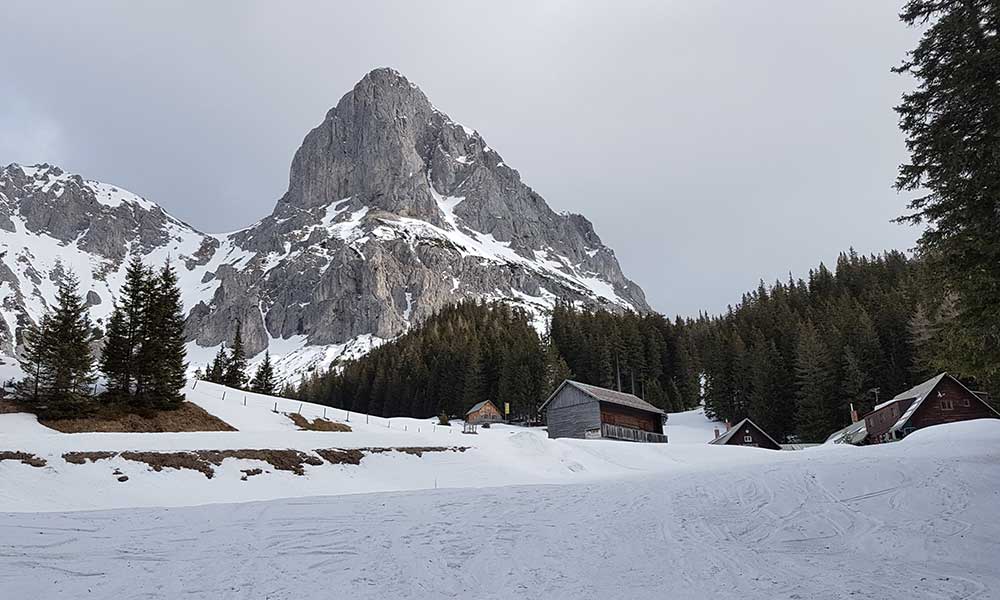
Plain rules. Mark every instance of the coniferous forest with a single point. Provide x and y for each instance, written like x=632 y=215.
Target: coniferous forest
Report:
x=143 y=356
x=794 y=356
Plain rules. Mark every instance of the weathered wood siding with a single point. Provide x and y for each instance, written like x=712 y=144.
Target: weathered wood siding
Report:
x=879 y=422
x=624 y=416
x=489 y=413
x=572 y=413
x=757 y=439
x=948 y=403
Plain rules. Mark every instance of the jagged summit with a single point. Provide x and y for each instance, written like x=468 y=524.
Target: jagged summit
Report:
x=392 y=211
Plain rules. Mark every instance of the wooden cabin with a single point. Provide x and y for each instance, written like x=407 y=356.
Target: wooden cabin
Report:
x=746 y=433
x=942 y=399
x=483 y=412
x=578 y=410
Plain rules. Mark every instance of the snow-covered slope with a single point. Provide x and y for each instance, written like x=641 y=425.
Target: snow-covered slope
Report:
x=501 y=455
x=393 y=210
x=914 y=519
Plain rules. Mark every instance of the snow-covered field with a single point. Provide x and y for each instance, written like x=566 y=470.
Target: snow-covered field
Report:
x=515 y=516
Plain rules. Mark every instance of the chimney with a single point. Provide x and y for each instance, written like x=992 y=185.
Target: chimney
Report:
x=854 y=414
x=716 y=433
x=728 y=425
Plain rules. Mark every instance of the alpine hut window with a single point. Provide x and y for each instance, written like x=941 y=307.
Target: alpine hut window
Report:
x=965 y=402
x=748 y=439
x=947 y=404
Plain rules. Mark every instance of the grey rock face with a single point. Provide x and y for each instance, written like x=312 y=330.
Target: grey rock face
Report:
x=392 y=211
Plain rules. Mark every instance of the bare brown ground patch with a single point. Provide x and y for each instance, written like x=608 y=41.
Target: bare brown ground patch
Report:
x=9 y=406
x=24 y=457
x=317 y=424
x=248 y=473
x=282 y=460
x=353 y=456
x=171 y=460
x=341 y=457
x=112 y=419
x=204 y=461
x=79 y=458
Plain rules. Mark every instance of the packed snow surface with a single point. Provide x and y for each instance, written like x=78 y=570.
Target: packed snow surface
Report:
x=915 y=519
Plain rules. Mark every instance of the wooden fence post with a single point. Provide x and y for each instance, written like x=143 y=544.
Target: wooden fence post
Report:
x=223 y=394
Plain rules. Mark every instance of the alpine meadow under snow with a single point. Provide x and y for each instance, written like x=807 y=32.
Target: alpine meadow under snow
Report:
x=413 y=378
x=686 y=519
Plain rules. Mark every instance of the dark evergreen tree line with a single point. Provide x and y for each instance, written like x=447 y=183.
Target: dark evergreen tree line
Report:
x=952 y=127
x=229 y=368
x=796 y=355
x=142 y=358
x=466 y=353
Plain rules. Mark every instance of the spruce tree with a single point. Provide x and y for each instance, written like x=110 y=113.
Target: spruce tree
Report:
x=952 y=127
x=216 y=372
x=120 y=361
x=65 y=376
x=236 y=367
x=263 y=381
x=33 y=360
x=162 y=351
x=814 y=379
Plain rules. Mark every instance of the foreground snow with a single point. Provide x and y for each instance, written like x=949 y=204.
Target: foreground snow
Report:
x=916 y=519
x=499 y=456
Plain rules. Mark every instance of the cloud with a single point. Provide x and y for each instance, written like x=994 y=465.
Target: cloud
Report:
x=712 y=143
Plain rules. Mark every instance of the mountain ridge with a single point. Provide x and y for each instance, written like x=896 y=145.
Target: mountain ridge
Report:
x=392 y=210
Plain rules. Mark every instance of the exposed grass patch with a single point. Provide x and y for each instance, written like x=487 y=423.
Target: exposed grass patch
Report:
x=317 y=424
x=24 y=457
x=79 y=458
x=171 y=460
x=9 y=406
x=418 y=450
x=248 y=473
x=353 y=456
x=204 y=461
x=341 y=457
x=282 y=460
x=115 y=419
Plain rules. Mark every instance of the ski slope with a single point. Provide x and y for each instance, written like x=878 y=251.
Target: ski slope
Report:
x=499 y=456
x=515 y=516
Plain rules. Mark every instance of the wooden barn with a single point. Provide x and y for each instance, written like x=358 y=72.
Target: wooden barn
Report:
x=483 y=412
x=578 y=410
x=942 y=399
x=746 y=433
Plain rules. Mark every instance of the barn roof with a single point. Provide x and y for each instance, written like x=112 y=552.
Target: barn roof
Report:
x=722 y=439
x=921 y=392
x=917 y=392
x=606 y=395
x=477 y=406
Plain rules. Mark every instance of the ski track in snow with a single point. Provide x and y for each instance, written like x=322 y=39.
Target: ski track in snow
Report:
x=917 y=519
x=767 y=532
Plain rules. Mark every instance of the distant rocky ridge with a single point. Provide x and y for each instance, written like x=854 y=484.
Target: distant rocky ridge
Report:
x=392 y=211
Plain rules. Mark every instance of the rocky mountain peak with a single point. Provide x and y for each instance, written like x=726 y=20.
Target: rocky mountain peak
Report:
x=392 y=211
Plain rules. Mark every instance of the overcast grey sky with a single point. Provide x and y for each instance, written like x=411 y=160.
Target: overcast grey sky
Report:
x=712 y=142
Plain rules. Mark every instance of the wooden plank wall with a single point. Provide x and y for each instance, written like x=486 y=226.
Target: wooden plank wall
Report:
x=572 y=413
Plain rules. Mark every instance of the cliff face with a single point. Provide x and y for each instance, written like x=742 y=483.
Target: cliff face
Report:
x=392 y=211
